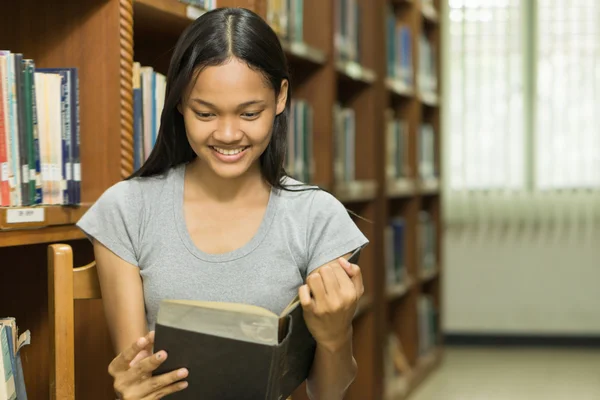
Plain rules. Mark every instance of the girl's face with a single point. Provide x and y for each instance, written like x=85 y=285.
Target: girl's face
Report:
x=228 y=115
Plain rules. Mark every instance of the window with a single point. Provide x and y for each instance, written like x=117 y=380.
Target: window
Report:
x=524 y=94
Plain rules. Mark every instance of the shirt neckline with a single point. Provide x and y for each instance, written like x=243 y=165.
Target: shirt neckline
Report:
x=248 y=247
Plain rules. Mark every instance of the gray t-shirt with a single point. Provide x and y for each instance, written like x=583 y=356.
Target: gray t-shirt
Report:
x=141 y=221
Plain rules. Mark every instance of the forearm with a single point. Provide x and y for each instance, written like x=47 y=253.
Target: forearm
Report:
x=333 y=370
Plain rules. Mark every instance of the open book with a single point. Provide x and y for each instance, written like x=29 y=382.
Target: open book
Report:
x=235 y=351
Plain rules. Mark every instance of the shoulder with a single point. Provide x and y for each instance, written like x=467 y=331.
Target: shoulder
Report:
x=305 y=199
x=138 y=189
x=302 y=196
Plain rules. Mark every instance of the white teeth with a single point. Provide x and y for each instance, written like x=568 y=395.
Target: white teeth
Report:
x=229 y=152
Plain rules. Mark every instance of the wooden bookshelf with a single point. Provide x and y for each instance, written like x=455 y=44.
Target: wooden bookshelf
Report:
x=408 y=196
x=104 y=37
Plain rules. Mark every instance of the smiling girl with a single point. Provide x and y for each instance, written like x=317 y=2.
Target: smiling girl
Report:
x=213 y=216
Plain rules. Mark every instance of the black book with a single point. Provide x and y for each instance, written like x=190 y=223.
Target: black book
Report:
x=235 y=351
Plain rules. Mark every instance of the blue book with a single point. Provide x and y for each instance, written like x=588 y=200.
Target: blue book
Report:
x=399 y=226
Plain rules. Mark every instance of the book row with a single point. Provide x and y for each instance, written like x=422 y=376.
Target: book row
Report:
x=395 y=248
x=396 y=364
x=39 y=133
x=12 y=381
x=286 y=17
x=397 y=147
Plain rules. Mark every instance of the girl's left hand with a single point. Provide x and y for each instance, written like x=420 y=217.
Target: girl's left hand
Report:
x=336 y=289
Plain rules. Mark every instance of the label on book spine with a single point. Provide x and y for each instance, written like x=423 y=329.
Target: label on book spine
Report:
x=77 y=172
x=25 y=173
x=24 y=215
x=4 y=172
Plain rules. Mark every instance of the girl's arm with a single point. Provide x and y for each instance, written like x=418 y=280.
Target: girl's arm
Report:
x=122 y=297
x=336 y=289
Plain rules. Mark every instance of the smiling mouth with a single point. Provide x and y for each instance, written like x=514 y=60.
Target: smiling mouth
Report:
x=229 y=152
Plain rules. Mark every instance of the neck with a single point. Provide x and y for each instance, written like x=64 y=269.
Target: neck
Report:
x=209 y=185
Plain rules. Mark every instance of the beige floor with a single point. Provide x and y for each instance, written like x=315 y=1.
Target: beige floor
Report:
x=514 y=374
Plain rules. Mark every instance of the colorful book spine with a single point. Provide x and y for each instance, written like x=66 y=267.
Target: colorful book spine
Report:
x=13 y=137
x=75 y=136
x=4 y=184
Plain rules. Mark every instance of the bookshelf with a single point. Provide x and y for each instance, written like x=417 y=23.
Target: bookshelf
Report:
x=329 y=68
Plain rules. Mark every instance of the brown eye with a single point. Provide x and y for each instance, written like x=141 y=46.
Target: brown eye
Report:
x=251 y=115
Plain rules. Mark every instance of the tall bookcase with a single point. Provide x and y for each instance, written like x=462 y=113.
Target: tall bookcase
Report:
x=104 y=37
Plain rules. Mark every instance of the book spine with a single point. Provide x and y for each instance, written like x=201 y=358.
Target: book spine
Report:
x=23 y=134
x=4 y=186
x=65 y=102
x=38 y=198
x=137 y=129
x=69 y=139
x=28 y=105
x=75 y=138
x=15 y=178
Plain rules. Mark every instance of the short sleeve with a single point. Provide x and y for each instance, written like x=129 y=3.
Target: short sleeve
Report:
x=115 y=220
x=331 y=231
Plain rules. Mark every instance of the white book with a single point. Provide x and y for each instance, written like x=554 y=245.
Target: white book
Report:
x=55 y=127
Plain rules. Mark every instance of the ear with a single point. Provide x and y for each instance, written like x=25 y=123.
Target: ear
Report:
x=179 y=108
x=283 y=94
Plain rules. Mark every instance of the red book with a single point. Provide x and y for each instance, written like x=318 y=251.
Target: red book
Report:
x=4 y=187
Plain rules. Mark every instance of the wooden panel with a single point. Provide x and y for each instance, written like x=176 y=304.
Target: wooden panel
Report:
x=85 y=35
x=54 y=234
x=53 y=215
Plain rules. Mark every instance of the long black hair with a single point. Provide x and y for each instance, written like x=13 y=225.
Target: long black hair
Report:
x=213 y=39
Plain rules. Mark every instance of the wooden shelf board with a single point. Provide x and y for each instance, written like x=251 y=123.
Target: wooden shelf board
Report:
x=53 y=234
x=364 y=304
x=429 y=275
x=304 y=52
x=399 y=290
x=400 y=88
x=401 y=388
x=357 y=191
x=355 y=71
x=41 y=216
x=164 y=15
x=429 y=99
x=429 y=186
x=402 y=187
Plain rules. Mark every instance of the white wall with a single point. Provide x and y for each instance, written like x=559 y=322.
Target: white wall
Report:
x=522 y=282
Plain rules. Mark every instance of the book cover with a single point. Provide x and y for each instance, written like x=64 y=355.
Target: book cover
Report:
x=234 y=351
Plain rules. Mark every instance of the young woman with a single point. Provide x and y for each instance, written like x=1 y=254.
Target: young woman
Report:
x=212 y=216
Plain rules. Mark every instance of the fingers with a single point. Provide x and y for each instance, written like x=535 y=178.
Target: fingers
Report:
x=146 y=352
x=330 y=280
x=122 y=362
x=317 y=288
x=355 y=275
x=346 y=284
x=166 y=382
x=305 y=298
x=167 y=390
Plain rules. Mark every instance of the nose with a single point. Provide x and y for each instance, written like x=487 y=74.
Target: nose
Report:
x=228 y=131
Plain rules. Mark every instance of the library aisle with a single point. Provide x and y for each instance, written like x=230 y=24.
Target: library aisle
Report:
x=514 y=374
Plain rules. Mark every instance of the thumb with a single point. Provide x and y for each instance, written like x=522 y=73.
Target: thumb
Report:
x=305 y=298
x=351 y=269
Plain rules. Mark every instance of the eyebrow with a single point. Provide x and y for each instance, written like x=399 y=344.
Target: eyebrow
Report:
x=242 y=105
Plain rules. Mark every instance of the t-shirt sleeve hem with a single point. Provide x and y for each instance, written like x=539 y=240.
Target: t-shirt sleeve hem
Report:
x=107 y=242
x=335 y=252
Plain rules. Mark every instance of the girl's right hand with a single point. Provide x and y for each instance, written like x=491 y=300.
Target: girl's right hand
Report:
x=132 y=373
